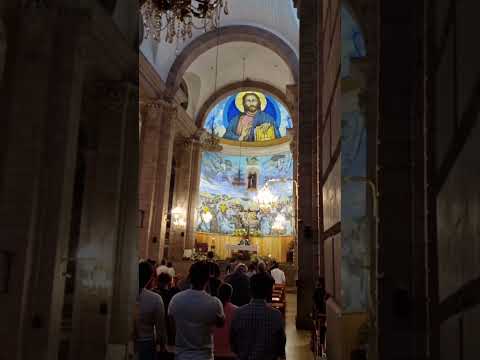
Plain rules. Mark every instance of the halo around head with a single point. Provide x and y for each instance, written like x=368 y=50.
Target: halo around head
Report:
x=239 y=100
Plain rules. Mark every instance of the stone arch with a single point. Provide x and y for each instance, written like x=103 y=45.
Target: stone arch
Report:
x=236 y=87
x=224 y=35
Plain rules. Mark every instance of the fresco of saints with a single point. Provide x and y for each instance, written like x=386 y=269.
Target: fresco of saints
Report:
x=224 y=224
x=253 y=124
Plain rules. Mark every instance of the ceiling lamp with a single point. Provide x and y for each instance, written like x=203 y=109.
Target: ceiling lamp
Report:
x=208 y=141
x=265 y=198
x=176 y=17
x=279 y=223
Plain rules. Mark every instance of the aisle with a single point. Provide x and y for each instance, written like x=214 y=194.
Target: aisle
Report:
x=298 y=341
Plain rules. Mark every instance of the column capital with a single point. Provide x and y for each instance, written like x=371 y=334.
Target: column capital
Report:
x=152 y=108
x=158 y=104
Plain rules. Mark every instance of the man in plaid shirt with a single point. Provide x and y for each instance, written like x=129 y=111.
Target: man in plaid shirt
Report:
x=257 y=331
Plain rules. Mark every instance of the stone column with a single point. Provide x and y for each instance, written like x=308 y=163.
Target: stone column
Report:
x=126 y=265
x=183 y=159
x=156 y=151
x=193 y=196
x=292 y=96
x=161 y=186
x=149 y=154
x=106 y=226
x=307 y=164
x=38 y=141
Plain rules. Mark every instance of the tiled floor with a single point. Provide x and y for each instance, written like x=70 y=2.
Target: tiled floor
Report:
x=298 y=342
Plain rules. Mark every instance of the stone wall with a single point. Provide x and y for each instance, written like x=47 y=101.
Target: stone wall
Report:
x=455 y=206
x=54 y=61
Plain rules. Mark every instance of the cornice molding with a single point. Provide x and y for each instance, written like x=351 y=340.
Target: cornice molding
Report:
x=185 y=124
x=151 y=84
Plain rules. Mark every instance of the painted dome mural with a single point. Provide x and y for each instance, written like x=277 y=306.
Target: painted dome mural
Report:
x=229 y=188
x=251 y=116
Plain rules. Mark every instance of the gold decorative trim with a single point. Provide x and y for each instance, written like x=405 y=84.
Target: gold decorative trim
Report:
x=266 y=143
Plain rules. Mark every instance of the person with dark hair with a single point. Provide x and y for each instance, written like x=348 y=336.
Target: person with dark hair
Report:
x=214 y=272
x=252 y=269
x=257 y=331
x=262 y=271
x=241 y=285
x=165 y=290
x=231 y=266
x=221 y=335
x=194 y=314
x=150 y=325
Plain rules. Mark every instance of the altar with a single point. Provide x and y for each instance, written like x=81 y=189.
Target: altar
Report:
x=249 y=248
x=275 y=247
x=232 y=248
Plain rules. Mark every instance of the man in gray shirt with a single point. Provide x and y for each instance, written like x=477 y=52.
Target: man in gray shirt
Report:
x=195 y=313
x=150 y=326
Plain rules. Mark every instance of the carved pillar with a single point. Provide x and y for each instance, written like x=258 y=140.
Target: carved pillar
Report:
x=181 y=198
x=193 y=193
x=149 y=154
x=156 y=151
x=163 y=168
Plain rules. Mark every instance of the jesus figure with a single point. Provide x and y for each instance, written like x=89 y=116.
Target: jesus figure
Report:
x=253 y=124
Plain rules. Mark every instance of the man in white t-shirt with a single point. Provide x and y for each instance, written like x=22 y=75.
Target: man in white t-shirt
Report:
x=195 y=313
x=278 y=274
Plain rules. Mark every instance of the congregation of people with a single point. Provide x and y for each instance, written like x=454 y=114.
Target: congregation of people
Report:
x=209 y=314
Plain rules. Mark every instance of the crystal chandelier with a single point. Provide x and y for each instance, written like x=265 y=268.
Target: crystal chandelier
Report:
x=265 y=198
x=279 y=223
x=208 y=141
x=178 y=18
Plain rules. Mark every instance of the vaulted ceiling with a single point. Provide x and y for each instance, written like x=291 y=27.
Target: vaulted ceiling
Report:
x=237 y=60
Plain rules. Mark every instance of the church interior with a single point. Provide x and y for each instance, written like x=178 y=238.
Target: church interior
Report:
x=336 y=139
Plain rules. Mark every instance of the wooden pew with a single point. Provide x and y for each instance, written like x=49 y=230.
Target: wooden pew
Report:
x=278 y=298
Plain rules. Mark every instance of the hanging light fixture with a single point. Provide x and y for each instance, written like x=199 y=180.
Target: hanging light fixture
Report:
x=265 y=198
x=279 y=223
x=178 y=18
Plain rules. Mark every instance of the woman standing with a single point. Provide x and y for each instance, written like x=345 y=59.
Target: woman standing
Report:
x=221 y=336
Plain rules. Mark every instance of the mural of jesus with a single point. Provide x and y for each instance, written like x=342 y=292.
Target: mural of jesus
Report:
x=253 y=124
